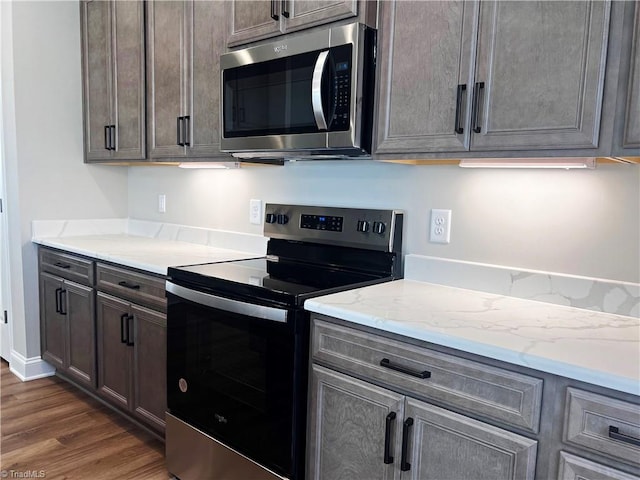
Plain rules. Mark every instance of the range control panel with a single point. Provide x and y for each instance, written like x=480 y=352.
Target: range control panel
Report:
x=355 y=227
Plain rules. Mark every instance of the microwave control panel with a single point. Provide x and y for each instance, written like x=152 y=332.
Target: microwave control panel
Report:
x=341 y=87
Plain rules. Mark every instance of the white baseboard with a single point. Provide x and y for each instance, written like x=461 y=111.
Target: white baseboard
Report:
x=29 y=368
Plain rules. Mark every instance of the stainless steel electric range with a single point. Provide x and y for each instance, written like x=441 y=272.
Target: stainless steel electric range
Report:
x=238 y=339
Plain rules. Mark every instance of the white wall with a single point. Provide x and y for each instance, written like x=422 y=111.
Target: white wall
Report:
x=42 y=117
x=573 y=222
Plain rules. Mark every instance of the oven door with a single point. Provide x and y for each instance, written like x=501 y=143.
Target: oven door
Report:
x=230 y=373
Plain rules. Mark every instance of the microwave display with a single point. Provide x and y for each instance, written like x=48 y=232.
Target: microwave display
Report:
x=274 y=97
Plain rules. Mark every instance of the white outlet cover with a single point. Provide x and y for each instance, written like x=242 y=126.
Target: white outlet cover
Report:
x=255 y=211
x=440 y=226
x=162 y=203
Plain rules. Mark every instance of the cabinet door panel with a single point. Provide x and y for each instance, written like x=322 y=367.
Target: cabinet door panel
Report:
x=165 y=76
x=309 y=13
x=250 y=20
x=207 y=38
x=150 y=377
x=426 y=51
x=631 y=138
x=114 y=356
x=445 y=445
x=576 y=468
x=129 y=90
x=543 y=65
x=97 y=73
x=52 y=323
x=81 y=333
x=347 y=428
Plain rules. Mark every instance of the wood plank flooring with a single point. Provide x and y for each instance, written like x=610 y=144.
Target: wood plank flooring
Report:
x=53 y=430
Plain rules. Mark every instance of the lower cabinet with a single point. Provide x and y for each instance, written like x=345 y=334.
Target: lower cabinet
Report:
x=577 y=468
x=361 y=430
x=67 y=327
x=132 y=358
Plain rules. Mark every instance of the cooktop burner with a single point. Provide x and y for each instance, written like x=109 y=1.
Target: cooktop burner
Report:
x=272 y=278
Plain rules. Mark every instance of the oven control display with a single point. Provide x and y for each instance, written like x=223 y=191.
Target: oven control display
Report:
x=321 y=222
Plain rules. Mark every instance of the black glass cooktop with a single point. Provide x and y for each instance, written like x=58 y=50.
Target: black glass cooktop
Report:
x=271 y=280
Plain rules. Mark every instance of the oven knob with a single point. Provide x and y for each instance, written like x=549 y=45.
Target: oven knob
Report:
x=282 y=219
x=378 y=227
x=270 y=218
x=363 y=226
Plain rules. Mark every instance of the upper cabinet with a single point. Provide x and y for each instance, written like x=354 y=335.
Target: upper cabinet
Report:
x=249 y=21
x=628 y=136
x=113 y=72
x=184 y=44
x=490 y=76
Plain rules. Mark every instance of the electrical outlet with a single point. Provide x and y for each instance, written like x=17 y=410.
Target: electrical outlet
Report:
x=255 y=211
x=162 y=203
x=440 y=226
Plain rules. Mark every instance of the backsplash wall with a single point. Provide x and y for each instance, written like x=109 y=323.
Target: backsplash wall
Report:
x=583 y=223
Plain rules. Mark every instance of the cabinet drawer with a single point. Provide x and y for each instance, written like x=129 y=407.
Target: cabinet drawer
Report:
x=576 y=468
x=508 y=397
x=66 y=266
x=589 y=418
x=137 y=287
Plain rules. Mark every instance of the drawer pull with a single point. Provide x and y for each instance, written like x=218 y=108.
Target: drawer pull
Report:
x=62 y=265
x=616 y=435
x=388 y=458
x=386 y=363
x=126 y=284
x=124 y=328
x=405 y=466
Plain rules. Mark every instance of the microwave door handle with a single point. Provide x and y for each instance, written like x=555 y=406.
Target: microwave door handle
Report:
x=316 y=90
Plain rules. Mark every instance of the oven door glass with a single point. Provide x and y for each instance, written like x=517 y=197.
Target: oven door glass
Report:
x=232 y=376
x=276 y=97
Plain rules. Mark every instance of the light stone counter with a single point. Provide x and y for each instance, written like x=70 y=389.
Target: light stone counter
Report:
x=594 y=347
x=148 y=246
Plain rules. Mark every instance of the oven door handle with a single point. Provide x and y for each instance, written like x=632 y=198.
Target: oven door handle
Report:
x=228 y=305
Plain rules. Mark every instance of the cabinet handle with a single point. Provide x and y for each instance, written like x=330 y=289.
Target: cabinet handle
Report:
x=283 y=7
x=386 y=363
x=123 y=338
x=107 y=138
x=63 y=309
x=474 y=109
x=126 y=284
x=186 y=130
x=461 y=88
x=58 y=290
x=387 y=438
x=130 y=342
x=616 y=435
x=112 y=137
x=274 y=14
x=66 y=266
x=405 y=466
x=179 y=132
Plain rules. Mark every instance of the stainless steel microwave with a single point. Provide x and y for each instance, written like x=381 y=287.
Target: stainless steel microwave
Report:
x=307 y=95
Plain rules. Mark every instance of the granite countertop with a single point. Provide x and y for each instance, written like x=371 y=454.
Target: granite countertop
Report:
x=594 y=347
x=148 y=246
x=148 y=254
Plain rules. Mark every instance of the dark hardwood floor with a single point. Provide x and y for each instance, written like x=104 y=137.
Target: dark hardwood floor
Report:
x=53 y=430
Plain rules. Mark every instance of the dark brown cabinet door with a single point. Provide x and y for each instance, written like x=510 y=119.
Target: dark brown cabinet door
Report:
x=96 y=73
x=149 y=372
x=80 y=333
x=166 y=89
x=113 y=70
x=114 y=355
x=52 y=322
x=129 y=80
